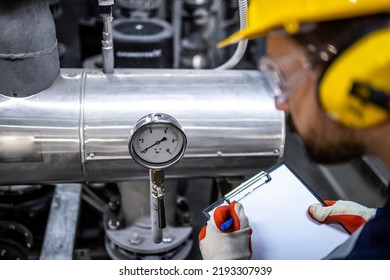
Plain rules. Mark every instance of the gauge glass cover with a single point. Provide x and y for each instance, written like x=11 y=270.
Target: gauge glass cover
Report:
x=157 y=144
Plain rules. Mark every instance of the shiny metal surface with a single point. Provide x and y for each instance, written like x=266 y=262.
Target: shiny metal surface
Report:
x=51 y=119
x=81 y=125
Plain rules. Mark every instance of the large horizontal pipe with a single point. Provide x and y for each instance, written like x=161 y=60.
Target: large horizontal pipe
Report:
x=78 y=129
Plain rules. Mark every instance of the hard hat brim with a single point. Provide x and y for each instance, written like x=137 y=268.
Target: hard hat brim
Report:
x=291 y=14
x=246 y=33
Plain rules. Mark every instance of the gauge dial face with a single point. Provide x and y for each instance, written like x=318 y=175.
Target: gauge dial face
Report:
x=158 y=144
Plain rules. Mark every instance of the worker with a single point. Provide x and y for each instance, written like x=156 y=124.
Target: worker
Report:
x=328 y=67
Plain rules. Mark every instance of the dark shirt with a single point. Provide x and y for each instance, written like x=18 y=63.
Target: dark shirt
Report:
x=374 y=240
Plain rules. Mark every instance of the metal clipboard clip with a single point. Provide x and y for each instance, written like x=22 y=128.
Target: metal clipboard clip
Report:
x=239 y=192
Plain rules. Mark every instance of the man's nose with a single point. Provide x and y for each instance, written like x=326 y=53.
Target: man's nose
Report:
x=282 y=105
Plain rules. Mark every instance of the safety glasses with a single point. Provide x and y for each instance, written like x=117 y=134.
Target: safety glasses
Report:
x=284 y=74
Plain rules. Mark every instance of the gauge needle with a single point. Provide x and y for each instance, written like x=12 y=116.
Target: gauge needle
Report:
x=157 y=142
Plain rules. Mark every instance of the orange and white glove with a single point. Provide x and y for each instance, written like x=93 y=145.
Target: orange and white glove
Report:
x=350 y=214
x=233 y=243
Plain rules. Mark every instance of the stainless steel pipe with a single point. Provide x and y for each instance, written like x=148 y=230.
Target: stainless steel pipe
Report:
x=78 y=129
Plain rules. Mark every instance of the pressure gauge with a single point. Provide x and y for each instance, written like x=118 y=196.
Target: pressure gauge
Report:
x=157 y=141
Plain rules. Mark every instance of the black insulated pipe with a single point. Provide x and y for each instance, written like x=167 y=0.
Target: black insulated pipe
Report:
x=29 y=60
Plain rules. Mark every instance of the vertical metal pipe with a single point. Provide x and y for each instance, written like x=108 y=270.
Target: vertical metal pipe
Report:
x=177 y=11
x=105 y=8
x=157 y=232
x=107 y=45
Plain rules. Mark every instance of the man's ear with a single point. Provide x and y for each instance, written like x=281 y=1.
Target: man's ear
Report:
x=280 y=44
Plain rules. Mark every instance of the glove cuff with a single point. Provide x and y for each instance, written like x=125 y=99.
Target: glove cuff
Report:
x=231 y=246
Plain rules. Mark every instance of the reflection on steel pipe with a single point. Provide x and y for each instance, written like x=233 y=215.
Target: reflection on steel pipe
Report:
x=81 y=125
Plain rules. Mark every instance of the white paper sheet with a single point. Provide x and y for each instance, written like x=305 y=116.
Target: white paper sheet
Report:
x=282 y=229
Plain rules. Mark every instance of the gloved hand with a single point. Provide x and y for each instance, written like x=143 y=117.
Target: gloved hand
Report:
x=233 y=243
x=350 y=214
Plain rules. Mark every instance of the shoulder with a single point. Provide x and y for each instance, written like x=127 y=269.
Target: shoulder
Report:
x=373 y=241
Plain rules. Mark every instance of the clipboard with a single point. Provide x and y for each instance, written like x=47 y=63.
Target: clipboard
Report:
x=276 y=202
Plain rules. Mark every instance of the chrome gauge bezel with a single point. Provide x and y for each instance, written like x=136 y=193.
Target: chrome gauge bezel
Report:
x=152 y=120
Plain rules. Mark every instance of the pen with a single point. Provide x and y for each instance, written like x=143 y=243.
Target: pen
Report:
x=227 y=224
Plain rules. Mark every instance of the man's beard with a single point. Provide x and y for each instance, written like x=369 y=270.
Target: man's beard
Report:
x=330 y=152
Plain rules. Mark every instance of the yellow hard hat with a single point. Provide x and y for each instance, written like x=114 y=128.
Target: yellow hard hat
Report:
x=265 y=15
